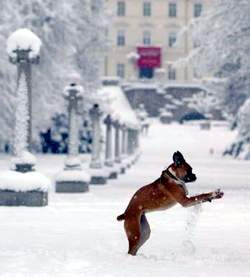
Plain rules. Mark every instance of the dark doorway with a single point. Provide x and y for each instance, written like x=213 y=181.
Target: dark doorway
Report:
x=146 y=72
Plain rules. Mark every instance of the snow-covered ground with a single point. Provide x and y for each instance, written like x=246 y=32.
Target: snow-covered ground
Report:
x=78 y=235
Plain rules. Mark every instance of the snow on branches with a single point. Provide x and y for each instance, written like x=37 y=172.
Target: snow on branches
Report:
x=221 y=39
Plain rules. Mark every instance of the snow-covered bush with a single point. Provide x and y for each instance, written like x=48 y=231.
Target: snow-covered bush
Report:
x=241 y=147
x=221 y=37
x=55 y=138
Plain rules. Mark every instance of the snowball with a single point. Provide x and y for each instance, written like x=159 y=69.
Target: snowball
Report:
x=23 y=39
x=17 y=181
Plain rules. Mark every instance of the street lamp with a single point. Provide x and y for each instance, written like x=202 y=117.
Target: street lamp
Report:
x=23 y=48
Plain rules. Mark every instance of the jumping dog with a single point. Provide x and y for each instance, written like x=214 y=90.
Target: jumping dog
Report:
x=162 y=194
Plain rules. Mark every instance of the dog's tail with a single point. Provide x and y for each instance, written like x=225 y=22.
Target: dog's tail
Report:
x=121 y=217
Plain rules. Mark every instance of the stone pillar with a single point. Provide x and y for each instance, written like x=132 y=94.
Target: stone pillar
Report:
x=73 y=97
x=117 y=142
x=95 y=115
x=130 y=142
x=124 y=140
x=73 y=179
x=108 y=150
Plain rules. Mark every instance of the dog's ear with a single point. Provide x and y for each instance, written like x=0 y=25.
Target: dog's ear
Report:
x=178 y=158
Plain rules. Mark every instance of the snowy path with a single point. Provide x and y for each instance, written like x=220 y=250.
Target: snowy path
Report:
x=77 y=235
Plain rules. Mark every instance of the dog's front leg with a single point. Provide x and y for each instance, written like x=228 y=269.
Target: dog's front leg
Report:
x=186 y=201
x=205 y=197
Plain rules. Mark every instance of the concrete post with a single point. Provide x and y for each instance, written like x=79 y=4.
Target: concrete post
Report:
x=124 y=140
x=73 y=97
x=108 y=150
x=95 y=115
x=117 y=142
x=130 y=142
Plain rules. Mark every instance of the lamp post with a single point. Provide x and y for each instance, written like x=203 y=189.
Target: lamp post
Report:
x=23 y=48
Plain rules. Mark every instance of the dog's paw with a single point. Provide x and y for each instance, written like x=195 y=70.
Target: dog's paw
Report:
x=217 y=194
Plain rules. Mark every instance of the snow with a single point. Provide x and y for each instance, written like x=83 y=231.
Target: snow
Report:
x=71 y=87
x=73 y=175
x=23 y=39
x=17 y=181
x=103 y=171
x=169 y=84
x=133 y=56
x=21 y=121
x=72 y=161
x=119 y=107
x=78 y=235
x=24 y=158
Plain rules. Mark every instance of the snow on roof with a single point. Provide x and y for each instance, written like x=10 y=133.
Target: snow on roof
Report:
x=23 y=39
x=118 y=106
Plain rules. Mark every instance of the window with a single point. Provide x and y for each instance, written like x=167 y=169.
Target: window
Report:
x=197 y=9
x=172 y=10
x=147 y=8
x=171 y=39
x=171 y=73
x=121 y=8
x=146 y=38
x=120 y=38
x=120 y=70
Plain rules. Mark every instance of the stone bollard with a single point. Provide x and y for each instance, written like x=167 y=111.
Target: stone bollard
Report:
x=73 y=179
x=113 y=174
x=117 y=127
x=98 y=174
x=108 y=149
x=123 y=149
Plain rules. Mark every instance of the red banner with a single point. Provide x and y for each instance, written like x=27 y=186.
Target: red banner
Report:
x=150 y=57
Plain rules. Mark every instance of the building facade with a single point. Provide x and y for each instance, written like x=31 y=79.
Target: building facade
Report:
x=143 y=38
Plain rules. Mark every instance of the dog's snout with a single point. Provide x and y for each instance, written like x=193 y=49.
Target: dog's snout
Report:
x=190 y=178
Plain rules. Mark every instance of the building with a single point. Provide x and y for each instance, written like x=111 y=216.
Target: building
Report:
x=143 y=35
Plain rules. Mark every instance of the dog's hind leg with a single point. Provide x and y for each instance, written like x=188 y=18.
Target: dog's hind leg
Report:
x=145 y=230
x=133 y=231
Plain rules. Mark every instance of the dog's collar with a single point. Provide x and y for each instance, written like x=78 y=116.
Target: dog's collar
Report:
x=170 y=173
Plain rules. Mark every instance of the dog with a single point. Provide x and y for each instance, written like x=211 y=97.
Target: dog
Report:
x=162 y=194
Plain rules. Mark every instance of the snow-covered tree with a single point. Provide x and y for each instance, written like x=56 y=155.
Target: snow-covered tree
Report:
x=72 y=38
x=202 y=102
x=222 y=50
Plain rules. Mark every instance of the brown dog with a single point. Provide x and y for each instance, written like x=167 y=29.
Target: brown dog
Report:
x=162 y=194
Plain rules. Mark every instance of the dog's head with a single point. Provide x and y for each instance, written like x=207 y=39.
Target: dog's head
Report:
x=182 y=169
